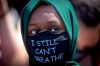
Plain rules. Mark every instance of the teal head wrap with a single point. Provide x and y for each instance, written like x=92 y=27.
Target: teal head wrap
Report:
x=65 y=11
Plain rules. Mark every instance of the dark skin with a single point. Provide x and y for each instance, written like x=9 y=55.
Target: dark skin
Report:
x=45 y=18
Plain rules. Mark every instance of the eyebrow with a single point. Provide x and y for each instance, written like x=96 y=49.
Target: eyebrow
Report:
x=52 y=22
x=32 y=24
x=47 y=23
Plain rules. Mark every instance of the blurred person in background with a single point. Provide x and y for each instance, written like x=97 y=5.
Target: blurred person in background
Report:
x=88 y=43
x=11 y=44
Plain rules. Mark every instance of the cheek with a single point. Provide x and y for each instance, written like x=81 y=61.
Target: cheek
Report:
x=87 y=38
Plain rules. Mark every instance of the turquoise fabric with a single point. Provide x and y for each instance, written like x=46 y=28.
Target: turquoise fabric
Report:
x=66 y=12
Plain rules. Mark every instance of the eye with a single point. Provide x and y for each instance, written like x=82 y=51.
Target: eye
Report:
x=33 y=32
x=54 y=30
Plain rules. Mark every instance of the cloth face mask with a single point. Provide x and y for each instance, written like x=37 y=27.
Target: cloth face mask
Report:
x=49 y=48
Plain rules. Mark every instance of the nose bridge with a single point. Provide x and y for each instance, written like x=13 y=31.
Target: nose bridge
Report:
x=42 y=27
x=45 y=35
x=44 y=30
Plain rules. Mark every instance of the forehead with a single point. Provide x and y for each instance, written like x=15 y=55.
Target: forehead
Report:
x=44 y=9
x=44 y=12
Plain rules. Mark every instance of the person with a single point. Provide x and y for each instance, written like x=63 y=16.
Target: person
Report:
x=12 y=50
x=49 y=31
x=12 y=47
x=88 y=43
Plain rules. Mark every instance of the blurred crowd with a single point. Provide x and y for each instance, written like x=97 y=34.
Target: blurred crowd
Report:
x=88 y=43
x=12 y=50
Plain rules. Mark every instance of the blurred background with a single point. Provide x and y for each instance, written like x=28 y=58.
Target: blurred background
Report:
x=88 y=42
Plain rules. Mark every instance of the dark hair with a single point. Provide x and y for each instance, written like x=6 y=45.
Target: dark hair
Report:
x=88 y=11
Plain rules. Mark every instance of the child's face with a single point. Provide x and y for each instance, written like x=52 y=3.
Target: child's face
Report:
x=45 y=18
